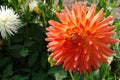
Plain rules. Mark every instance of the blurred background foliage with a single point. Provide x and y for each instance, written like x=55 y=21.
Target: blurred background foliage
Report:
x=25 y=56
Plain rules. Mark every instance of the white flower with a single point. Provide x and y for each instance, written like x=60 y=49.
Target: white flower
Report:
x=33 y=4
x=9 y=22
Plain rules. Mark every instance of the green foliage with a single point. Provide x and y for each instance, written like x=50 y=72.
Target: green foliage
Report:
x=116 y=47
x=25 y=57
x=58 y=72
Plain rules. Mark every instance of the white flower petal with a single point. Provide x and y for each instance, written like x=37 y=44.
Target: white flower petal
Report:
x=33 y=4
x=9 y=21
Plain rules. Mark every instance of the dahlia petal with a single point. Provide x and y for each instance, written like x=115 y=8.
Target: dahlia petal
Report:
x=67 y=60
x=97 y=18
x=81 y=68
x=58 y=56
x=51 y=34
x=59 y=61
x=84 y=14
x=101 y=37
x=105 y=47
x=54 y=53
x=57 y=47
x=82 y=64
x=61 y=17
x=106 y=34
x=80 y=13
x=95 y=47
x=56 y=38
x=94 y=51
x=52 y=48
x=77 y=15
x=86 y=58
x=54 y=30
x=104 y=28
x=77 y=55
x=110 y=40
x=105 y=52
x=103 y=59
x=75 y=12
x=51 y=29
x=90 y=42
x=52 y=44
x=108 y=28
x=82 y=28
x=76 y=63
x=106 y=21
x=73 y=69
x=89 y=68
x=49 y=39
x=99 y=15
x=94 y=62
x=69 y=65
x=66 y=10
x=54 y=24
x=87 y=24
x=85 y=50
x=76 y=60
x=91 y=12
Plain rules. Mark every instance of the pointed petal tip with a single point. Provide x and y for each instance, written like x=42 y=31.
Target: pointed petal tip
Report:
x=50 y=21
x=111 y=17
x=51 y=55
x=102 y=9
x=64 y=6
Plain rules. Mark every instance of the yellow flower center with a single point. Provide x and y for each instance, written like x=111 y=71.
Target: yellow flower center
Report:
x=4 y=21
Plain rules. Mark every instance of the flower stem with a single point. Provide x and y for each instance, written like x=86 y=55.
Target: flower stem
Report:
x=86 y=76
x=71 y=75
x=44 y=20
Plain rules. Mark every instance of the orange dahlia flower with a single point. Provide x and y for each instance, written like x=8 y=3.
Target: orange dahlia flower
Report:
x=80 y=40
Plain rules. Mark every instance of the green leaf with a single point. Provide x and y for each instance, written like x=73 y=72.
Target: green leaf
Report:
x=24 y=52
x=29 y=43
x=32 y=59
x=76 y=76
x=15 y=50
x=28 y=14
x=8 y=71
x=19 y=1
x=116 y=47
x=43 y=60
x=117 y=50
x=9 y=1
x=19 y=51
x=19 y=77
x=3 y=60
x=97 y=75
x=90 y=1
x=5 y=79
x=58 y=72
x=41 y=75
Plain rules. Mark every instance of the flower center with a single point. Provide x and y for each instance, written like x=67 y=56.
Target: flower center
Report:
x=4 y=21
x=76 y=39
